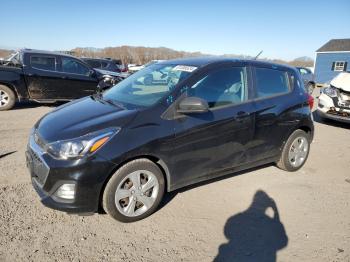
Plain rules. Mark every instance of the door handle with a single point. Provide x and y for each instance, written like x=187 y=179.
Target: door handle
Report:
x=242 y=114
x=30 y=74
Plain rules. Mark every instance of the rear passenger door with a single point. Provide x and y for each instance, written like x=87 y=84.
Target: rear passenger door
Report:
x=42 y=76
x=273 y=106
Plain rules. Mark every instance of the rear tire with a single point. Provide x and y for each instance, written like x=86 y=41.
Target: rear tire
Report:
x=295 y=151
x=7 y=98
x=126 y=198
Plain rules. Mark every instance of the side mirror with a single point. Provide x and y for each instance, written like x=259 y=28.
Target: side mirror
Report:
x=105 y=83
x=92 y=73
x=193 y=105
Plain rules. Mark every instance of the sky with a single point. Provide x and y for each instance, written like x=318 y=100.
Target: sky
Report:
x=282 y=29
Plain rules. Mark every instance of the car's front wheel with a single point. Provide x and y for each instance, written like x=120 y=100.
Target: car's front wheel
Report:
x=134 y=191
x=295 y=151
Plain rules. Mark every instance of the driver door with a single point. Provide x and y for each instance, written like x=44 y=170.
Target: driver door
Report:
x=209 y=143
x=76 y=79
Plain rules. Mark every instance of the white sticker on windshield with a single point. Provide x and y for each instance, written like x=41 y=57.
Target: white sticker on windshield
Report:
x=184 y=68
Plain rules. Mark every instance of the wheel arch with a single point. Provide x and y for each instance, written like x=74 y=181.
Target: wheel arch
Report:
x=13 y=88
x=156 y=160
x=305 y=128
x=302 y=127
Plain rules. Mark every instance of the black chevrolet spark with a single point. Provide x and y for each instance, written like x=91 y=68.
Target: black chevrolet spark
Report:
x=172 y=124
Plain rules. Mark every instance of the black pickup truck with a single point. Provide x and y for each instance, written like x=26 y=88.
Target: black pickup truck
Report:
x=47 y=77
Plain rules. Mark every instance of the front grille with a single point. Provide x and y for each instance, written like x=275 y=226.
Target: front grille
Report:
x=39 y=170
x=341 y=104
x=36 y=157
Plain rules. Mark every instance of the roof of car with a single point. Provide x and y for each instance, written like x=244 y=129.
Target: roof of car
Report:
x=36 y=51
x=97 y=59
x=203 y=61
x=335 y=45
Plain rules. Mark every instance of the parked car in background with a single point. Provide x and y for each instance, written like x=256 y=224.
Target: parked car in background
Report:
x=123 y=149
x=308 y=78
x=44 y=76
x=135 y=68
x=105 y=64
x=334 y=101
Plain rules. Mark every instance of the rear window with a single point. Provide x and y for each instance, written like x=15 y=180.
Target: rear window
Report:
x=271 y=82
x=43 y=62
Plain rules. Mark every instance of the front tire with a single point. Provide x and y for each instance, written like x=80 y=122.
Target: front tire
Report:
x=7 y=98
x=295 y=151
x=134 y=191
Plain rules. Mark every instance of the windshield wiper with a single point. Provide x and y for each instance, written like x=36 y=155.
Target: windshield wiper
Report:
x=114 y=103
x=99 y=97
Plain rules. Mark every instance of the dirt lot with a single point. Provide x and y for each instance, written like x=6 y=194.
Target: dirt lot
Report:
x=232 y=217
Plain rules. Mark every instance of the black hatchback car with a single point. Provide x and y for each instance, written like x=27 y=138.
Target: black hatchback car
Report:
x=123 y=149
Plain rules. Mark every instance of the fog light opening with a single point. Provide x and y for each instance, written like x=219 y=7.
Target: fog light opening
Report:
x=66 y=191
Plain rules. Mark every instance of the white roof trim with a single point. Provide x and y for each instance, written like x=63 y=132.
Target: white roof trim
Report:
x=334 y=52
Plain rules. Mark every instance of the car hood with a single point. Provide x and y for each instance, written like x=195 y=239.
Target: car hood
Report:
x=342 y=81
x=110 y=73
x=82 y=117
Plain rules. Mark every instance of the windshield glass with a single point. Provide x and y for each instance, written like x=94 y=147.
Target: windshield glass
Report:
x=151 y=63
x=149 y=85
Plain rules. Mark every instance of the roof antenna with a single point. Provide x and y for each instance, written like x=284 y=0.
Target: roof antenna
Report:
x=255 y=58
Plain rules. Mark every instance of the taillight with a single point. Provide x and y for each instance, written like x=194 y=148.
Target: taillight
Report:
x=310 y=101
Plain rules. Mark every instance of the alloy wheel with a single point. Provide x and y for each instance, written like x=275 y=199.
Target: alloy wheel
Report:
x=136 y=193
x=4 y=98
x=298 y=151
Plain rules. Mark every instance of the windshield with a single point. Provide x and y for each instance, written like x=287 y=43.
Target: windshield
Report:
x=149 y=85
x=151 y=63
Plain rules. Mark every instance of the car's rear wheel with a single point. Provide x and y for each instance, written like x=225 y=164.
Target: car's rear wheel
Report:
x=295 y=151
x=134 y=191
x=7 y=98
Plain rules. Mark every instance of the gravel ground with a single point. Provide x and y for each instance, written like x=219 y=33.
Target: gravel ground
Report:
x=259 y=215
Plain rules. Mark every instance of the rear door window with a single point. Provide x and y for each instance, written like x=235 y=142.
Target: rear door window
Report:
x=271 y=82
x=43 y=62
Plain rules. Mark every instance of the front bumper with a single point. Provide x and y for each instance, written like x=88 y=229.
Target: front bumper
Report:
x=48 y=174
x=334 y=116
x=328 y=108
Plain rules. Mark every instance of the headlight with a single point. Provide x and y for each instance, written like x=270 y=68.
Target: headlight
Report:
x=330 y=91
x=81 y=146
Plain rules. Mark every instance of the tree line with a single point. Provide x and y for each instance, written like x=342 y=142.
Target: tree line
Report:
x=141 y=55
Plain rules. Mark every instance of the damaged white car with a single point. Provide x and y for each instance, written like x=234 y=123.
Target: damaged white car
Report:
x=334 y=101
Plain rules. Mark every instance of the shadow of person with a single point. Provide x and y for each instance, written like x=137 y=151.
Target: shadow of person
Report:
x=255 y=234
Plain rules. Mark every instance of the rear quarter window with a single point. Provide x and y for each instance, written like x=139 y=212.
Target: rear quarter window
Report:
x=271 y=82
x=43 y=62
